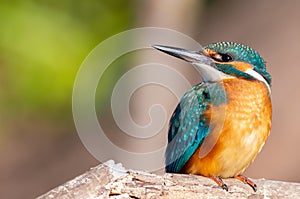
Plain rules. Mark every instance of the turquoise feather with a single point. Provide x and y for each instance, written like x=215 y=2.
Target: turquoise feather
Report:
x=188 y=127
x=241 y=53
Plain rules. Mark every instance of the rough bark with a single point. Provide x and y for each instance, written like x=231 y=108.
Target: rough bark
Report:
x=110 y=180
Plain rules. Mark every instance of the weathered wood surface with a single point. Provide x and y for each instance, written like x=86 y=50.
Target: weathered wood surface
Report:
x=111 y=180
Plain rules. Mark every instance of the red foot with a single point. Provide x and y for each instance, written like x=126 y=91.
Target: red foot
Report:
x=246 y=181
x=220 y=182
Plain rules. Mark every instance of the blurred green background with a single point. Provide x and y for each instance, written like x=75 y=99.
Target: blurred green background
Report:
x=42 y=46
x=43 y=43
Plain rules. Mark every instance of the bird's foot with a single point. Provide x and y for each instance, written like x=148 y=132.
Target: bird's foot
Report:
x=246 y=181
x=220 y=182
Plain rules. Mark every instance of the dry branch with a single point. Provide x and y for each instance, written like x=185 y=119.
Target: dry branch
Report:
x=111 y=180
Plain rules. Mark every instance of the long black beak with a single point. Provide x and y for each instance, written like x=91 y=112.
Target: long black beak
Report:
x=187 y=55
x=204 y=64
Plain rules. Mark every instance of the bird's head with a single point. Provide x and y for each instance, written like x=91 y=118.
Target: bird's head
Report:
x=224 y=59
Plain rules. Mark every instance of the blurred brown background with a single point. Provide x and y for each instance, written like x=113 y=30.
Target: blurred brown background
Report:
x=43 y=43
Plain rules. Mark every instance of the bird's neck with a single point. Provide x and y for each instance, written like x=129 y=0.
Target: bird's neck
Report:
x=239 y=88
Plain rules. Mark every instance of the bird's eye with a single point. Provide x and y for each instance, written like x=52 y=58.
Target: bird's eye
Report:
x=226 y=58
x=220 y=57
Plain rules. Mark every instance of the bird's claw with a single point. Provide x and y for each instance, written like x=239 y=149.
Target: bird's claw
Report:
x=220 y=182
x=225 y=187
x=247 y=181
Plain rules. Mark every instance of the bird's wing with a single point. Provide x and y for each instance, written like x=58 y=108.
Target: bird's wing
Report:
x=188 y=126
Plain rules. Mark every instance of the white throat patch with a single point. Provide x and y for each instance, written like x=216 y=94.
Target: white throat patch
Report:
x=208 y=73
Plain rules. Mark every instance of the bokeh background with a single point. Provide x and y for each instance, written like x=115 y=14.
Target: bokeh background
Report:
x=43 y=43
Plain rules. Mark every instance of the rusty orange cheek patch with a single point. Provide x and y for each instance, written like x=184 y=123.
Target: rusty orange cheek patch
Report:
x=209 y=52
x=242 y=66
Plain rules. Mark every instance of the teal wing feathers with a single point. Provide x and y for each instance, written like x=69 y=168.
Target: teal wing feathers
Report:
x=188 y=127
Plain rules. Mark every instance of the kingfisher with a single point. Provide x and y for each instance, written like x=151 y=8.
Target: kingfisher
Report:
x=222 y=123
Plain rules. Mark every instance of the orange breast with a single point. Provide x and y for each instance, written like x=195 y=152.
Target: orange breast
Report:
x=239 y=130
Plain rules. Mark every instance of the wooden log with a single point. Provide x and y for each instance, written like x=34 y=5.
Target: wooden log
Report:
x=110 y=180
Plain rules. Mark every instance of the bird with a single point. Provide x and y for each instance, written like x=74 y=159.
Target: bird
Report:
x=221 y=123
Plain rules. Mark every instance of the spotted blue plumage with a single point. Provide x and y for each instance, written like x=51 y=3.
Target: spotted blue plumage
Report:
x=243 y=53
x=188 y=127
